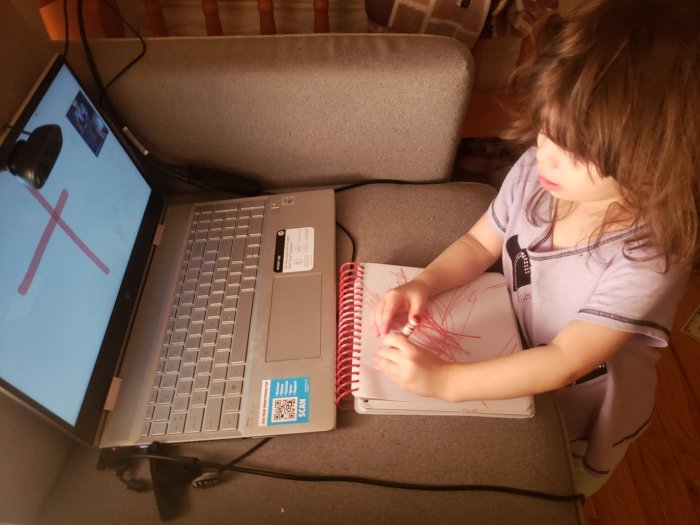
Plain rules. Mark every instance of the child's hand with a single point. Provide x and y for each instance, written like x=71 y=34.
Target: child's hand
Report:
x=411 y=367
x=408 y=299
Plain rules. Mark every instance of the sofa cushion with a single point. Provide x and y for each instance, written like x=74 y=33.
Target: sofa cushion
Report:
x=407 y=224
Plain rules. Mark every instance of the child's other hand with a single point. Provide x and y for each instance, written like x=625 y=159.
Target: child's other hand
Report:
x=408 y=299
x=411 y=367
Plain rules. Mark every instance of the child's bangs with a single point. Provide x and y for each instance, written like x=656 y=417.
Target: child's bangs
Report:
x=553 y=117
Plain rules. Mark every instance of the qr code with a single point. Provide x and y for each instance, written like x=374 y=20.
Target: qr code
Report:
x=284 y=409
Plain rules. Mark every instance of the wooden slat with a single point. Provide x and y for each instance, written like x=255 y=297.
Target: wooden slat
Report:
x=101 y=19
x=485 y=116
x=321 y=21
x=210 y=8
x=266 y=9
x=154 y=8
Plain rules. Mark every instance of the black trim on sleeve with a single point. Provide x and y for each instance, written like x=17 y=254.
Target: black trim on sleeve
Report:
x=636 y=322
x=495 y=219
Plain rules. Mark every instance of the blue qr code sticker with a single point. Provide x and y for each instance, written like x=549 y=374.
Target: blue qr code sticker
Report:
x=284 y=401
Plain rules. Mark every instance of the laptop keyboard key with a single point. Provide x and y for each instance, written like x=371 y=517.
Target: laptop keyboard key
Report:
x=158 y=429
x=161 y=413
x=229 y=421
x=232 y=404
x=181 y=403
x=199 y=397
x=212 y=414
x=194 y=420
x=177 y=423
x=242 y=327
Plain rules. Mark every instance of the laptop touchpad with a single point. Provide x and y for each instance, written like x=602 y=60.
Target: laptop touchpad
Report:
x=295 y=317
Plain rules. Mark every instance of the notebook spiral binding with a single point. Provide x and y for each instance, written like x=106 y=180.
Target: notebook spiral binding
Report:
x=350 y=298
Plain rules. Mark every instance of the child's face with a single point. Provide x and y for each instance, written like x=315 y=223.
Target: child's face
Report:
x=570 y=180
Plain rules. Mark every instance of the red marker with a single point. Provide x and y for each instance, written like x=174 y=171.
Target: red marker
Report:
x=410 y=326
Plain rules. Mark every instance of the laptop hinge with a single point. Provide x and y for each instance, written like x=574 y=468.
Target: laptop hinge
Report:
x=159 y=234
x=113 y=394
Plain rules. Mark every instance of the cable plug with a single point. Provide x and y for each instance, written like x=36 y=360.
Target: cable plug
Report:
x=213 y=477
x=138 y=485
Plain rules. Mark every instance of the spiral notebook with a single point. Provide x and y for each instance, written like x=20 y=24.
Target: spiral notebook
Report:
x=468 y=324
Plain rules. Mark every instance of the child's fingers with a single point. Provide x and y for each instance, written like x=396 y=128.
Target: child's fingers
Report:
x=390 y=362
x=384 y=312
x=388 y=354
x=399 y=342
x=377 y=316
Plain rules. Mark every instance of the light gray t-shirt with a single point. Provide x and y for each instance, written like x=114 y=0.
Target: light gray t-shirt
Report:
x=595 y=283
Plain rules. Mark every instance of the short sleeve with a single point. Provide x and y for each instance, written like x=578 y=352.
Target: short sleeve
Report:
x=514 y=194
x=633 y=296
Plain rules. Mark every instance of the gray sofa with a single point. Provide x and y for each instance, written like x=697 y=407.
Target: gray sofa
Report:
x=299 y=111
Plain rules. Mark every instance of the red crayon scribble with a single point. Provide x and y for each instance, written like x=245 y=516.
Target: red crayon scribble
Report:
x=54 y=220
x=432 y=332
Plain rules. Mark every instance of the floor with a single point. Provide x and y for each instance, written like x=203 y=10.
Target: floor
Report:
x=658 y=482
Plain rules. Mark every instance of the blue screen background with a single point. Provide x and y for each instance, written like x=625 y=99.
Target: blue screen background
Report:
x=50 y=337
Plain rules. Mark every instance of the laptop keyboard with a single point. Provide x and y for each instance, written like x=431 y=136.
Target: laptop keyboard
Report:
x=199 y=379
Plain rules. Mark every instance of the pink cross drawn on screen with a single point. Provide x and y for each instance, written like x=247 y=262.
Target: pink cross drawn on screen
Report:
x=54 y=220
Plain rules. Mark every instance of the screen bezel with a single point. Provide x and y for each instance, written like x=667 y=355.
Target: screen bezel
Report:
x=91 y=412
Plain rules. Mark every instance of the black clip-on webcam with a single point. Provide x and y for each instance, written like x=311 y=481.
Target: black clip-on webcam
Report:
x=32 y=160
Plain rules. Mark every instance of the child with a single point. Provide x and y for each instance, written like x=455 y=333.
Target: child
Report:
x=596 y=225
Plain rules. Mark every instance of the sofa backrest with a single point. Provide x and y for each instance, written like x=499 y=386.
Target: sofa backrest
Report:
x=295 y=110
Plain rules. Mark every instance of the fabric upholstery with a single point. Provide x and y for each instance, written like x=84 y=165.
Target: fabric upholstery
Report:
x=297 y=109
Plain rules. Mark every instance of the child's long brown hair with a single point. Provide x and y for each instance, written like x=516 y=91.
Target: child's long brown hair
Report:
x=618 y=86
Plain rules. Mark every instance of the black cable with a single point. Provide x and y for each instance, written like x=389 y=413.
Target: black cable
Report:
x=245 y=186
x=352 y=239
x=354 y=185
x=134 y=60
x=213 y=477
x=196 y=462
x=92 y=65
x=65 y=27
x=179 y=173
x=249 y=451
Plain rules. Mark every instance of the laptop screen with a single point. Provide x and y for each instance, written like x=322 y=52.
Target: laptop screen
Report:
x=71 y=253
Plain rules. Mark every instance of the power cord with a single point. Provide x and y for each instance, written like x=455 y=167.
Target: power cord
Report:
x=205 y=178
x=350 y=237
x=134 y=60
x=65 y=27
x=354 y=185
x=213 y=477
x=193 y=463
x=360 y=184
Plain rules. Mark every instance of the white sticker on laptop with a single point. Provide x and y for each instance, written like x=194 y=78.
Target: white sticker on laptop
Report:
x=294 y=250
x=284 y=401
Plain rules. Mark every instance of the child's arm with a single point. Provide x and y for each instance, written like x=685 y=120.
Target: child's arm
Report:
x=575 y=351
x=461 y=262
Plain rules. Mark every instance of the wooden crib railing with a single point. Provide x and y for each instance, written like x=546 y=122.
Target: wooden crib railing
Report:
x=102 y=18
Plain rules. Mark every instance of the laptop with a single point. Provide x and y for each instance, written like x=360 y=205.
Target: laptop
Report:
x=126 y=321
